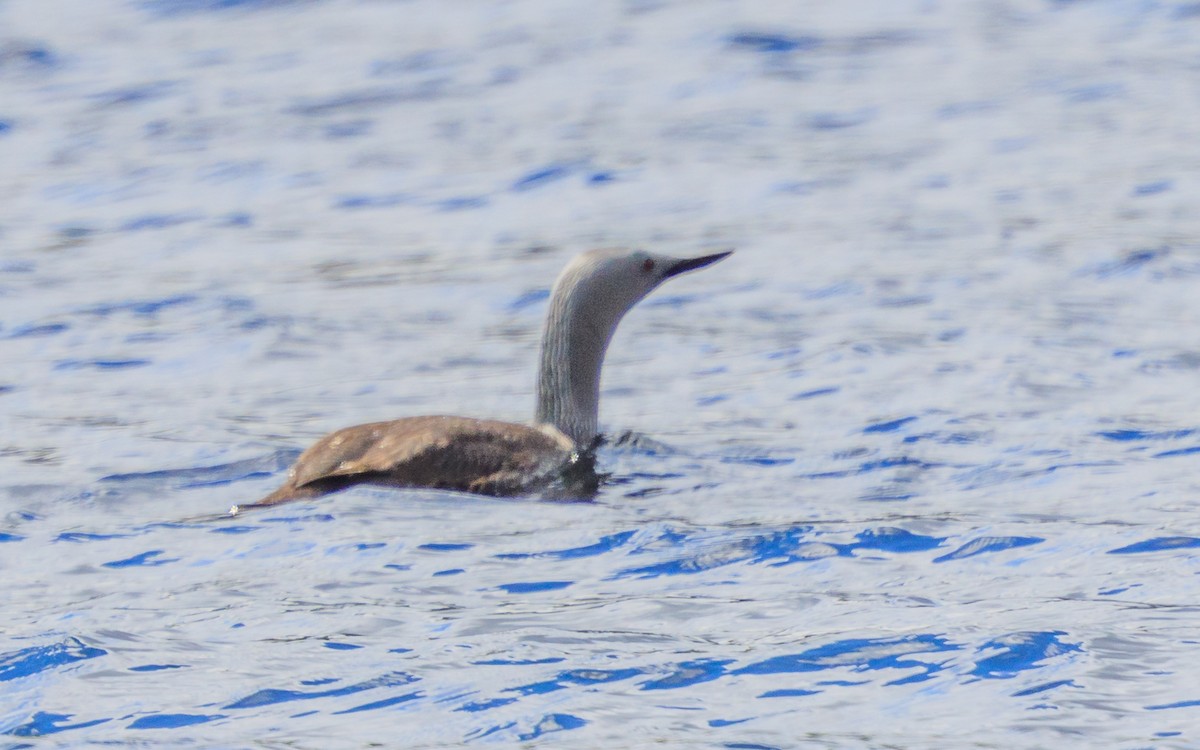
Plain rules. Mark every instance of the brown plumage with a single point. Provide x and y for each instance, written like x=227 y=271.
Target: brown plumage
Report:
x=453 y=453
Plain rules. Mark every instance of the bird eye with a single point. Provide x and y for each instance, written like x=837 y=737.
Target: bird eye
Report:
x=647 y=265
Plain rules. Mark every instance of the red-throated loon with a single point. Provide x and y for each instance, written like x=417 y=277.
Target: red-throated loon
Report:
x=589 y=299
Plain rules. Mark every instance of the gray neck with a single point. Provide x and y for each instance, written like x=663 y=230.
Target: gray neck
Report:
x=573 y=345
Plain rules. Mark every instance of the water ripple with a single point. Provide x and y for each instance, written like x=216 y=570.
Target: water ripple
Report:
x=35 y=659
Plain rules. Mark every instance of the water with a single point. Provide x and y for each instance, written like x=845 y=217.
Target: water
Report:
x=917 y=465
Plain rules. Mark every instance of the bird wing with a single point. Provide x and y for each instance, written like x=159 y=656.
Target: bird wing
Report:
x=438 y=451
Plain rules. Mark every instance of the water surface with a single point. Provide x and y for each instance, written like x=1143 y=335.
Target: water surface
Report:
x=918 y=464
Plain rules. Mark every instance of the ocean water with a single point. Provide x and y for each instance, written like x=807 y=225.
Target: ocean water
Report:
x=916 y=467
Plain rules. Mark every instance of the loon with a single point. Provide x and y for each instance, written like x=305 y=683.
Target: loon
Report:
x=488 y=457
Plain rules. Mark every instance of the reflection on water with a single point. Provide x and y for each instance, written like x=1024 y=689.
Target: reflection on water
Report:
x=916 y=465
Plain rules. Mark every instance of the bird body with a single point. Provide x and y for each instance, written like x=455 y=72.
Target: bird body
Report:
x=488 y=457
x=443 y=452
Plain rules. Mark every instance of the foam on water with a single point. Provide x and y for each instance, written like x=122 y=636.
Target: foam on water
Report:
x=916 y=467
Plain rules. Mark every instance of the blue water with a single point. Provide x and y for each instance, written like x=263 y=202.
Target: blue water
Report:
x=916 y=467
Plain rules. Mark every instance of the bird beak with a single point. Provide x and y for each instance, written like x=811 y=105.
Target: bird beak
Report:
x=691 y=264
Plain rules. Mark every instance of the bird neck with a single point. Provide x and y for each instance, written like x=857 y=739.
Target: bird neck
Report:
x=573 y=345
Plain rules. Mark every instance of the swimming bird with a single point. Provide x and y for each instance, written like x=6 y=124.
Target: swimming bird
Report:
x=487 y=457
